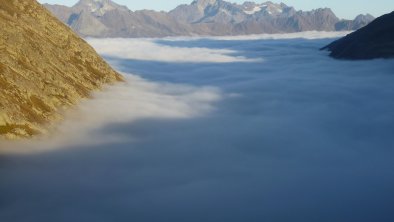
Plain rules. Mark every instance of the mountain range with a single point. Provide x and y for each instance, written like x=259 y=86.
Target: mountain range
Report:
x=45 y=68
x=105 y=18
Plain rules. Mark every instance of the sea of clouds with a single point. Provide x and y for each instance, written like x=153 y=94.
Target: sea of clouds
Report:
x=255 y=128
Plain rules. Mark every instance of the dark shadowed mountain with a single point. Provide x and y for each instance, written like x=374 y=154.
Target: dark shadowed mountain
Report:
x=104 y=18
x=375 y=40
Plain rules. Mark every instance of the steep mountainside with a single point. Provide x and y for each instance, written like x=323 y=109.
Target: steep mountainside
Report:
x=104 y=18
x=44 y=68
x=375 y=40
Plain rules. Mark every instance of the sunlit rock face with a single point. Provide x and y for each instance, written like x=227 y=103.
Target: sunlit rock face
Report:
x=44 y=68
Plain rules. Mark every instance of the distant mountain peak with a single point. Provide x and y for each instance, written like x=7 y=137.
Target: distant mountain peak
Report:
x=268 y=8
x=204 y=3
x=364 y=18
x=99 y=7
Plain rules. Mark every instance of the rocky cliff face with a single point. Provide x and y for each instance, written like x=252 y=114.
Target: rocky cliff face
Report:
x=44 y=68
x=375 y=40
x=201 y=17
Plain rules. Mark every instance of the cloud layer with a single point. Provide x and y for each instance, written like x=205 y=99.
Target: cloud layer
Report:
x=149 y=50
x=292 y=136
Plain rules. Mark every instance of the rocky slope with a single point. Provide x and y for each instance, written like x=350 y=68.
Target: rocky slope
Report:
x=44 y=68
x=104 y=18
x=375 y=40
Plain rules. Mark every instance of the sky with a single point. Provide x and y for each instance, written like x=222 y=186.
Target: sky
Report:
x=348 y=9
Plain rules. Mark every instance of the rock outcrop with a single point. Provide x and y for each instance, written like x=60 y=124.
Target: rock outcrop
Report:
x=201 y=17
x=44 y=69
x=375 y=40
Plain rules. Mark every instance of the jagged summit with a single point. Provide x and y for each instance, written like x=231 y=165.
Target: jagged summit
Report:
x=267 y=8
x=204 y=3
x=99 y=7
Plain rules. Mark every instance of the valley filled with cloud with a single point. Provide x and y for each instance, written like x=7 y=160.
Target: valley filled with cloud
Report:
x=216 y=129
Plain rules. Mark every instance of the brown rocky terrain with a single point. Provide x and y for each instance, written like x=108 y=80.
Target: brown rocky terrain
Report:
x=44 y=69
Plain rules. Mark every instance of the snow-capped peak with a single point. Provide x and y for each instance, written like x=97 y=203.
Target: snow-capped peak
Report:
x=253 y=10
x=99 y=7
x=204 y=3
x=270 y=8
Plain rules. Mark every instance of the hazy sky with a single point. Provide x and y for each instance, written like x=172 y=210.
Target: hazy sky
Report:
x=343 y=9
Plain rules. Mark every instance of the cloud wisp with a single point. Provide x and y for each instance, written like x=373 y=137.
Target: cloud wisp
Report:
x=311 y=35
x=149 y=50
x=134 y=100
